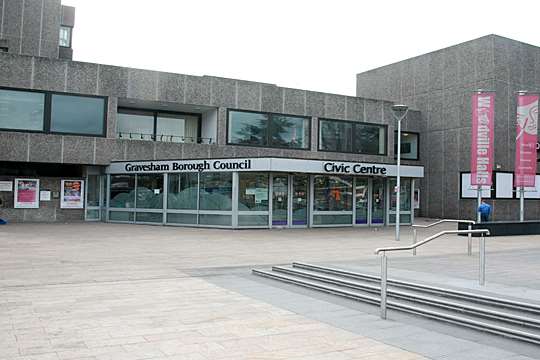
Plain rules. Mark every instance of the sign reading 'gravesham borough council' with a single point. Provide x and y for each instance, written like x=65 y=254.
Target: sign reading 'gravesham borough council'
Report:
x=264 y=164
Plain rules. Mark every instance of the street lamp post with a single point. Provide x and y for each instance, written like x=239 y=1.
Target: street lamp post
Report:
x=400 y=112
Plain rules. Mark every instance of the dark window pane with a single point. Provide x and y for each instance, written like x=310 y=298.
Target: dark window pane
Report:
x=332 y=193
x=182 y=191
x=335 y=136
x=369 y=139
x=150 y=191
x=215 y=191
x=134 y=125
x=409 y=145
x=248 y=128
x=21 y=110
x=77 y=114
x=289 y=131
x=253 y=192
x=122 y=191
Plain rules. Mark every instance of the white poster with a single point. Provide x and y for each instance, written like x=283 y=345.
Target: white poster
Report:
x=504 y=185
x=72 y=194
x=26 y=193
x=533 y=192
x=469 y=191
x=6 y=186
x=44 y=195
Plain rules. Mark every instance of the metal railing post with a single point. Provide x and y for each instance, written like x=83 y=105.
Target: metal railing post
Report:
x=384 y=270
x=415 y=238
x=469 y=244
x=482 y=269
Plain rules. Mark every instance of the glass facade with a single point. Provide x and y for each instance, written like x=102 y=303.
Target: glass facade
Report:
x=134 y=125
x=352 y=137
x=65 y=36
x=267 y=129
x=251 y=199
x=77 y=114
x=22 y=110
x=409 y=145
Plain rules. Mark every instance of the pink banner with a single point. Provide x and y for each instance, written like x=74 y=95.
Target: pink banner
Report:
x=483 y=110
x=526 y=129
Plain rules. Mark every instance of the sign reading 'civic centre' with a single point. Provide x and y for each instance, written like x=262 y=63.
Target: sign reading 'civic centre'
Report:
x=263 y=165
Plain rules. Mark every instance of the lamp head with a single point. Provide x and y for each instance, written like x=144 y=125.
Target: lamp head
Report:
x=400 y=111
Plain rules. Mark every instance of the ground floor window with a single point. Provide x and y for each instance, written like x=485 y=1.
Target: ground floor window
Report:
x=251 y=199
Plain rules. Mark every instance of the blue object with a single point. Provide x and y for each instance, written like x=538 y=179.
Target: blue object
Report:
x=3 y=222
x=484 y=209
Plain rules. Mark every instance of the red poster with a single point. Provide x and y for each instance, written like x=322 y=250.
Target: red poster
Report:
x=483 y=111
x=526 y=136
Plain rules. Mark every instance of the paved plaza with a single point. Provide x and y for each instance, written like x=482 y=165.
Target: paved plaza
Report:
x=111 y=291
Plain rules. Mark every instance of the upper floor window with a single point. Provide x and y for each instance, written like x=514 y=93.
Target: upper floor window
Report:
x=409 y=145
x=77 y=114
x=352 y=137
x=65 y=36
x=137 y=124
x=267 y=129
x=22 y=110
x=52 y=112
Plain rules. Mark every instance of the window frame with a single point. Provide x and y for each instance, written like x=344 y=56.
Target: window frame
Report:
x=268 y=135
x=47 y=112
x=417 y=144
x=70 y=36
x=385 y=126
x=155 y=115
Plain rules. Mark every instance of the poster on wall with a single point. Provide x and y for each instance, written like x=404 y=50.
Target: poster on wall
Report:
x=26 y=193
x=72 y=194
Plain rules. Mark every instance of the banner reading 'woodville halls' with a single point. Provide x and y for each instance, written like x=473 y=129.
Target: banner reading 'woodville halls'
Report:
x=526 y=137
x=483 y=110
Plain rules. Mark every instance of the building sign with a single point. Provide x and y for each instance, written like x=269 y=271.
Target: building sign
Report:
x=26 y=193
x=483 y=105
x=526 y=137
x=72 y=194
x=264 y=164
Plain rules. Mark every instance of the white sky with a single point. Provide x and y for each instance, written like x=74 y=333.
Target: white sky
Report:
x=307 y=44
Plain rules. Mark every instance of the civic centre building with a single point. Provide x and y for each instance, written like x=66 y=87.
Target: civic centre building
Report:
x=161 y=148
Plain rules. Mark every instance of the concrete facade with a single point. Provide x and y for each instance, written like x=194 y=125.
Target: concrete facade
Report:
x=440 y=84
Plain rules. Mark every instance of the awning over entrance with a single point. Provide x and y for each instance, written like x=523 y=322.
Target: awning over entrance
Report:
x=265 y=164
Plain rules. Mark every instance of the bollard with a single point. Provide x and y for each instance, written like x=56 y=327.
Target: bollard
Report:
x=469 y=244
x=414 y=241
x=482 y=269
x=383 y=285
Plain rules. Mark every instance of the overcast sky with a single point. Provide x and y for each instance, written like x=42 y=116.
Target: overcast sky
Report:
x=306 y=44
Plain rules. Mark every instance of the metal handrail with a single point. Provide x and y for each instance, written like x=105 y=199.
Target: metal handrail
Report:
x=470 y=222
x=384 y=259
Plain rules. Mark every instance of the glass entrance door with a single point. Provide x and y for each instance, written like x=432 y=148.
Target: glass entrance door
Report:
x=377 y=201
x=362 y=201
x=300 y=200
x=280 y=200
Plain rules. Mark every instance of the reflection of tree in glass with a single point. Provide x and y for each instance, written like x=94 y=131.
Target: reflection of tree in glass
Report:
x=283 y=132
x=252 y=132
x=367 y=139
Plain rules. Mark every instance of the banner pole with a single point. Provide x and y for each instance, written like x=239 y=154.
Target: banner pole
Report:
x=521 y=204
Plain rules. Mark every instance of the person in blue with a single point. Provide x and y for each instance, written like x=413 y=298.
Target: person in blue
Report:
x=485 y=210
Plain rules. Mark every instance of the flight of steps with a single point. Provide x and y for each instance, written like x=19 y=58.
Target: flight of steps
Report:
x=496 y=315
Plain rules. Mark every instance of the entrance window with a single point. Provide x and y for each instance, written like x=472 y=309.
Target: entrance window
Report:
x=253 y=192
x=150 y=191
x=122 y=191
x=333 y=193
x=377 y=212
x=405 y=201
x=362 y=201
x=182 y=191
x=216 y=191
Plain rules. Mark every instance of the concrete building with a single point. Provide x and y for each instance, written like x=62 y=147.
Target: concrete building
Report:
x=111 y=143
x=440 y=84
